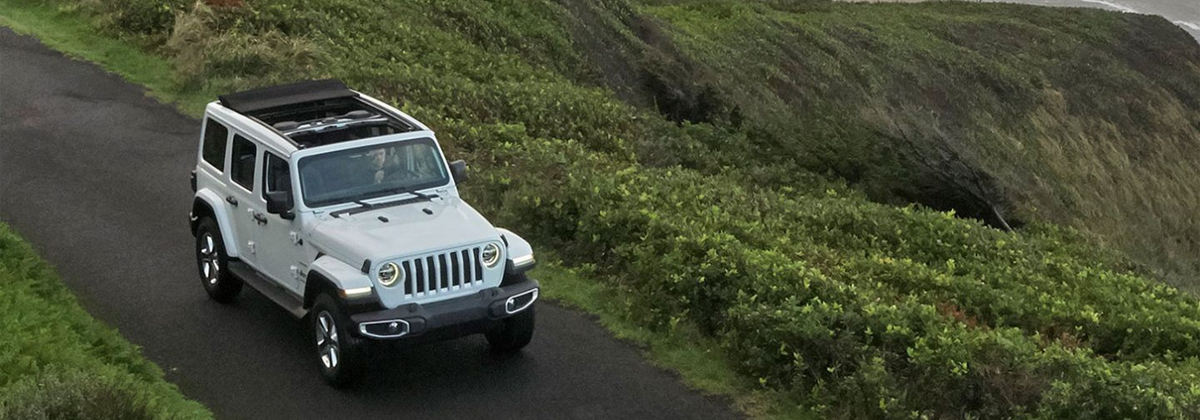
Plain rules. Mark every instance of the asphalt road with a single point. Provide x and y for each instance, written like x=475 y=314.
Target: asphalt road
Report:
x=96 y=176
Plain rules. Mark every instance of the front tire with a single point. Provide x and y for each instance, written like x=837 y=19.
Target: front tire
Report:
x=212 y=262
x=513 y=334
x=340 y=356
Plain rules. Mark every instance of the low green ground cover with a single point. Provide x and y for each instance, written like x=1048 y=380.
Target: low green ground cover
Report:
x=814 y=295
x=1082 y=118
x=57 y=362
x=872 y=311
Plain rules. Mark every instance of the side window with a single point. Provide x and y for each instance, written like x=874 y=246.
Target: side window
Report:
x=242 y=164
x=215 y=137
x=278 y=177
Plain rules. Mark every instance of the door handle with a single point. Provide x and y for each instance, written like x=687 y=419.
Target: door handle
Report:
x=258 y=217
x=229 y=199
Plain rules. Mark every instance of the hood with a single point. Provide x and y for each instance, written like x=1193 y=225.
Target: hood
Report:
x=412 y=228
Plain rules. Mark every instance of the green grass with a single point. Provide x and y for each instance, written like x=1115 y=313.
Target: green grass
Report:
x=56 y=361
x=1082 y=118
x=735 y=240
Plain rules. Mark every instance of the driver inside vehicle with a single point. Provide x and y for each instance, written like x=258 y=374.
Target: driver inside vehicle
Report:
x=377 y=160
x=401 y=164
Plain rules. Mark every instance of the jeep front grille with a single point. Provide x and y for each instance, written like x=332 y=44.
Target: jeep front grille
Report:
x=442 y=272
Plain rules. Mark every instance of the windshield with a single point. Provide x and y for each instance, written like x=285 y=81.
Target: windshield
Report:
x=372 y=171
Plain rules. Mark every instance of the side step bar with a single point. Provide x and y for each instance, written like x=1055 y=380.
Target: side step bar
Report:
x=268 y=288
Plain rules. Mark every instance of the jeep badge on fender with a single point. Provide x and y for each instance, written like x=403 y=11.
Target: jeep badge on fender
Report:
x=343 y=210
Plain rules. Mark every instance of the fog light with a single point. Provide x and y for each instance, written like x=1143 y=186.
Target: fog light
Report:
x=391 y=328
x=519 y=302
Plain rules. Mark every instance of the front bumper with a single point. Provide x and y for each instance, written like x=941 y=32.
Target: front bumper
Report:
x=460 y=316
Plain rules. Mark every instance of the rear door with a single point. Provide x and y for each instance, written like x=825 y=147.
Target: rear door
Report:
x=243 y=175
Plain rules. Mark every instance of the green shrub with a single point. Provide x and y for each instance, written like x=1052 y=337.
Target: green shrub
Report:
x=867 y=310
x=144 y=18
x=74 y=395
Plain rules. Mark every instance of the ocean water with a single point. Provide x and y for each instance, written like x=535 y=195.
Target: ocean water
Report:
x=1185 y=13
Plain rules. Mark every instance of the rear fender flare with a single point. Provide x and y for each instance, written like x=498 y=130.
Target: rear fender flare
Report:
x=214 y=203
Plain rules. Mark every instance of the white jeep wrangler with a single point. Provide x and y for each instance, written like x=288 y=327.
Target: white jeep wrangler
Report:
x=342 y=209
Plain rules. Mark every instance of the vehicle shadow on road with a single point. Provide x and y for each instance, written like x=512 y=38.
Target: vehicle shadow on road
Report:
x=571 y=358
x=444 y=365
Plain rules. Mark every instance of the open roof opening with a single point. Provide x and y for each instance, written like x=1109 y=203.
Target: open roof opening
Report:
x=316 y=113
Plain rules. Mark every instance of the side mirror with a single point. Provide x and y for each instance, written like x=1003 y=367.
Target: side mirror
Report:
x=280 y=202
x=458 y=169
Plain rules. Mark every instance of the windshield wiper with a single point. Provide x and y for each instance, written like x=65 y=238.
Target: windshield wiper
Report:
x=365 y=206
x=412 y=191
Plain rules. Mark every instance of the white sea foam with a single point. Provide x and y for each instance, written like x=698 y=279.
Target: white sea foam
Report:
x=1121 y=7
x=1190 y=25
x=1117 y=6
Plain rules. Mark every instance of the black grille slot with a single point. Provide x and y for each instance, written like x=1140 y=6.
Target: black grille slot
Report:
x=456 y=269
x=443 y=271
x=478 y=267
x=408 y=275
x=466 y=255
x=431 y=274
x=420 y=276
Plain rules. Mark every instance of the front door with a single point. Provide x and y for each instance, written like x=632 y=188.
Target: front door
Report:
x=282 y=250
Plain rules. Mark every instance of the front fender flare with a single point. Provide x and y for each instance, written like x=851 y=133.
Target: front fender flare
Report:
x=339 y=275
x=518 y=250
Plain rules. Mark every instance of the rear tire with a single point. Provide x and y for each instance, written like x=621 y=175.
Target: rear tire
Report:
x=212 y=263
x=514 y=334
x=340 y=356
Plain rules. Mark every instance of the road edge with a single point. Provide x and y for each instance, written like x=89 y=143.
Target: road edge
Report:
x=59 y=359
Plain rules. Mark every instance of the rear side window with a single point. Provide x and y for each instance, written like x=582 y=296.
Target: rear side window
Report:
x=215 y=137
x=242 y=170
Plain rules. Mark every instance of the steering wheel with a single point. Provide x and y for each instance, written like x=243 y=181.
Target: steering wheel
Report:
x=400 y=174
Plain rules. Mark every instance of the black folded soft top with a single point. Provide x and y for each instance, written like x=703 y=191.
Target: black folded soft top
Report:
x=255 y=100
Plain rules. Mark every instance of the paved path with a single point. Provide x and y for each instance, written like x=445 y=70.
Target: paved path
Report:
x=96 y=176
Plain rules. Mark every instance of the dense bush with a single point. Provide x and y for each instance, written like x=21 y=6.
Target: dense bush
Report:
x=869 y=310
x=75 y=395
x=861 y=309
x=145 y=19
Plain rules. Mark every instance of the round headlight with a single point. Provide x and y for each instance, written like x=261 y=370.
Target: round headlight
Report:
x=491 y=255
x=388 y=274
